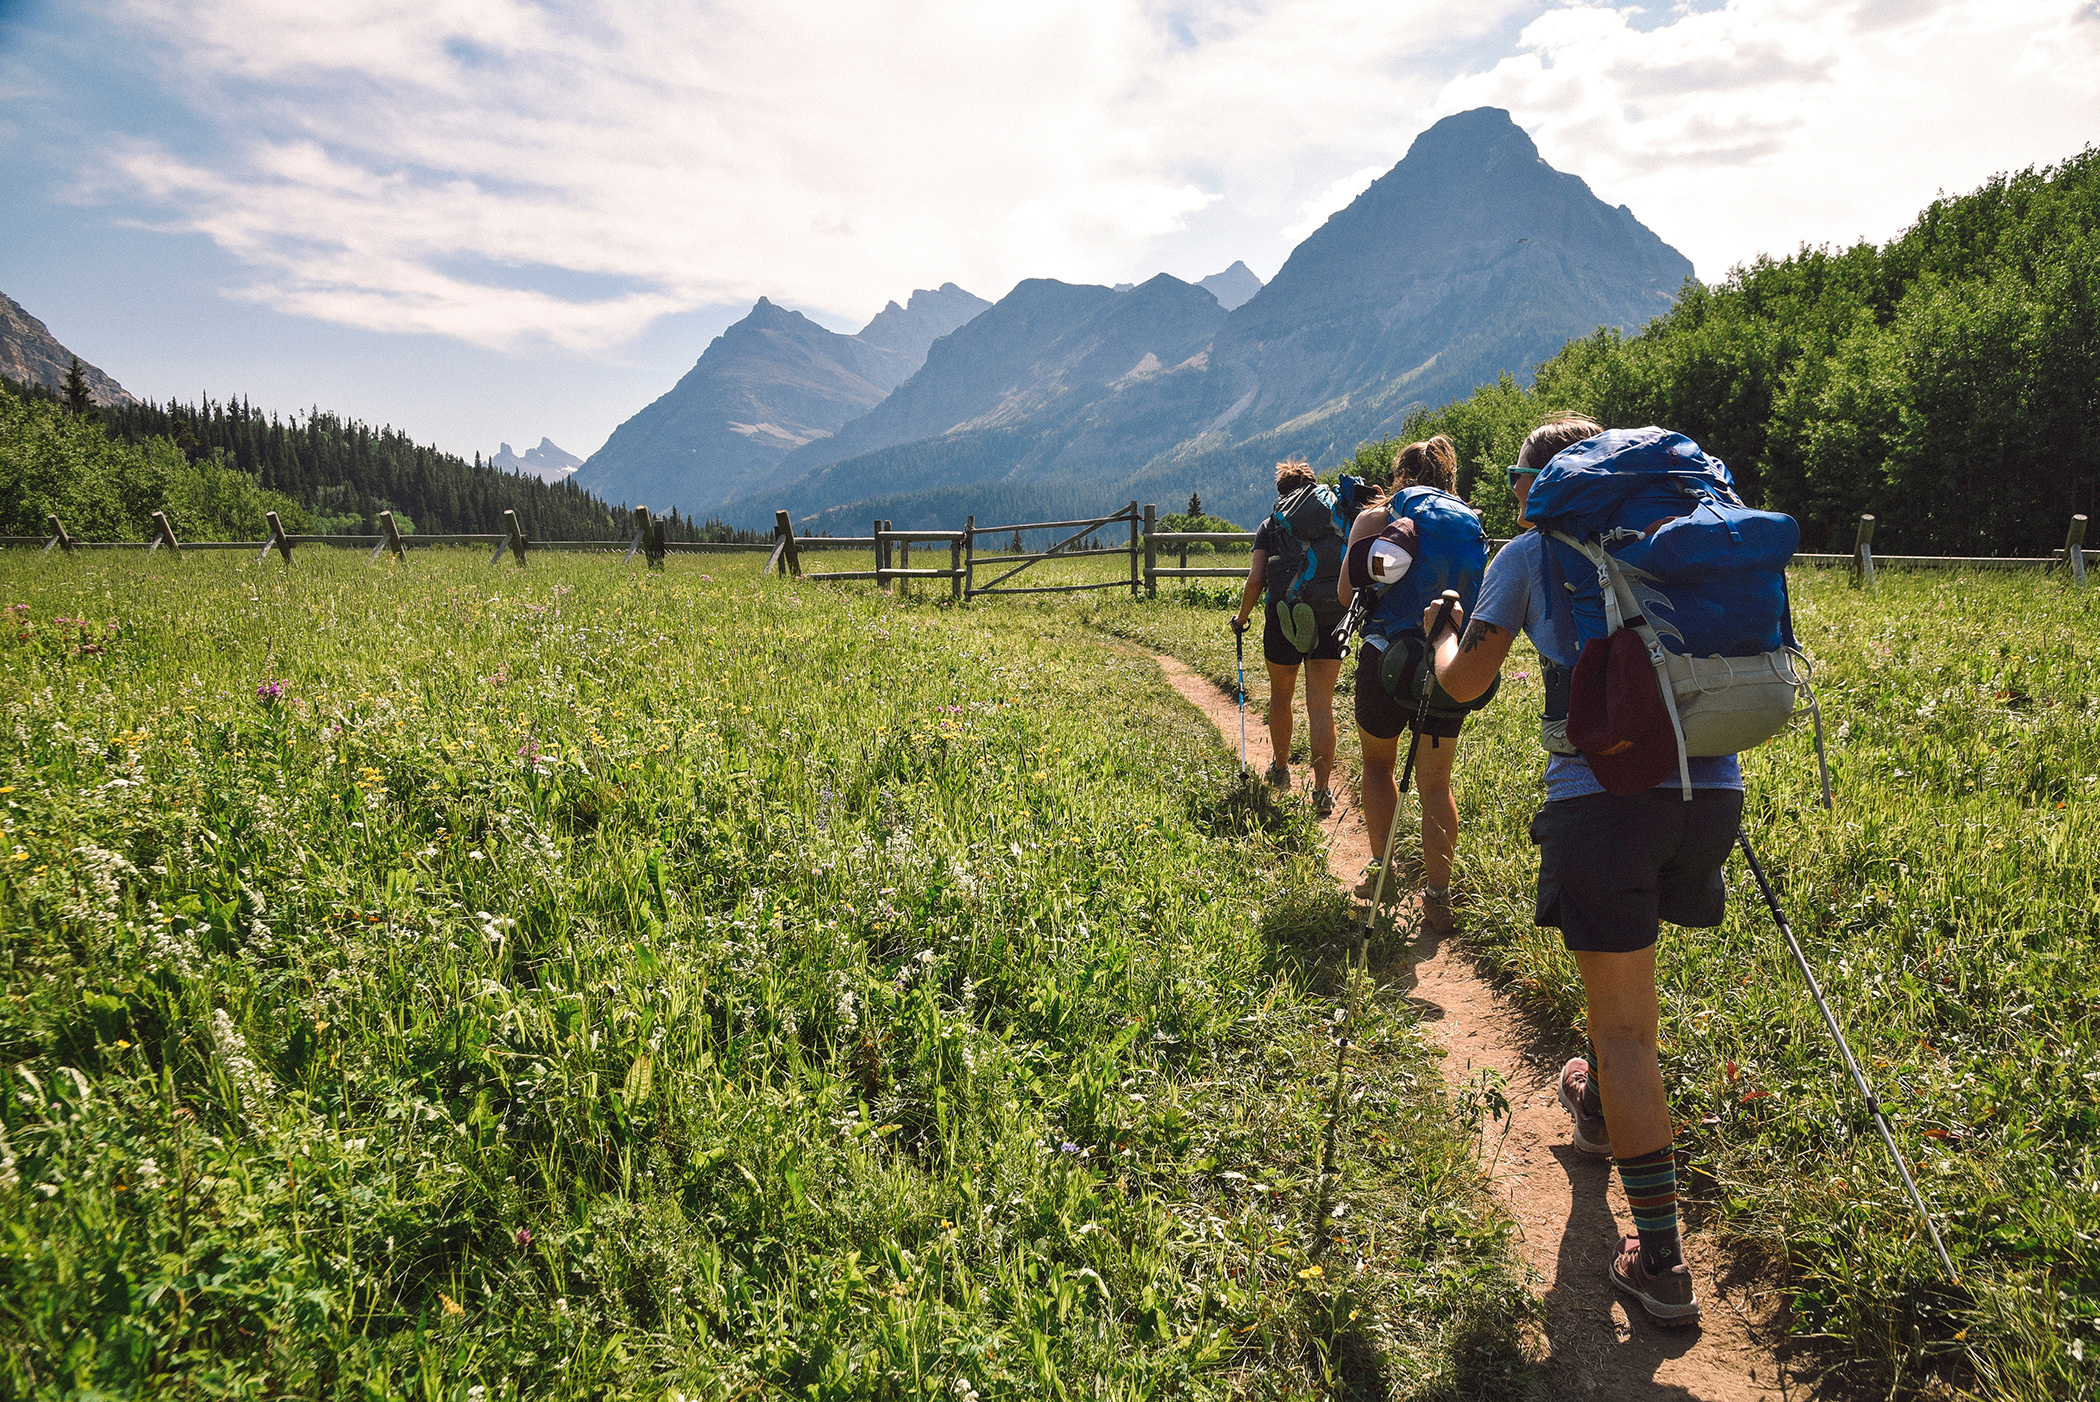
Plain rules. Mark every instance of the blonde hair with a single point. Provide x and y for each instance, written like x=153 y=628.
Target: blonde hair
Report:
x=1432 y=463
x=1293 y=473
x=1555 y=435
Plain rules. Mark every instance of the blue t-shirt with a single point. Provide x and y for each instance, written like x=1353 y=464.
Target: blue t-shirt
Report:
x=1513 y=598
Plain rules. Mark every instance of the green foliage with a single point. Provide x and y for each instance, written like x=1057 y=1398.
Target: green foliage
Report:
x=1947 y=381
x=348 y=472
x=427 y=978
x=55 y=462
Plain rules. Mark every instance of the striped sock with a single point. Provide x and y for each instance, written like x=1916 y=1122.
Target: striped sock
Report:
x=1651 y=1191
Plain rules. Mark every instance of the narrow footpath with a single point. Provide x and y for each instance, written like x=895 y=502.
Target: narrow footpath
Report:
x=1569 y=1208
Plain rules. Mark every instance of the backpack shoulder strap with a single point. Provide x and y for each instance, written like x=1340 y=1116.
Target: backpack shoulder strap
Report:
x=1559 y=606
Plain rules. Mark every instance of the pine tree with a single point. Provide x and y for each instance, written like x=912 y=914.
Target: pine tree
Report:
x=1195 y=505
x=77 y=397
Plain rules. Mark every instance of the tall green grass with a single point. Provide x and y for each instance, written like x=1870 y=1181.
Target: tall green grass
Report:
x=1950 y=906
x=442 y=981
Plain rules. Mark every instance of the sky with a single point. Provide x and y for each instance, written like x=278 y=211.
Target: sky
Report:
x=494 y=220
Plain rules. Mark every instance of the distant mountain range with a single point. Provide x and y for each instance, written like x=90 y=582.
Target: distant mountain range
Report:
x=31 y=355
x=1237 y=284
x=769 y=384
x=546 y=462
x=1469 y=258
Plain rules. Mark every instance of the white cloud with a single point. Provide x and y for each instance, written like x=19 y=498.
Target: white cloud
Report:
x=407 y=166
x=1768 y=123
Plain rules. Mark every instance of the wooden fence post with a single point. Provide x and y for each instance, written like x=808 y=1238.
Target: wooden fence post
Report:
x=284 y=547
x=659 y=545
x=2074 y=550
x=163 y=534
x=1151 y=551
x=903 y=563
x=790 y=557
x=389 y=537
x=1134 y=570
x=955 y=564
x=513 y=540
x=641 y=534
x=969 y=556
x=59 y=537
x=1863 y=555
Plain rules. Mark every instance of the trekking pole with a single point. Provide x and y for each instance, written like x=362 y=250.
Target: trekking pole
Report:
x=1858 y=1078
x=1414 y=737
x=1239 y=648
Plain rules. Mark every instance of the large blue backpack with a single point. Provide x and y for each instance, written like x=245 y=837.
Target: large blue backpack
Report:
x=1451 y=553
x=1644 y=530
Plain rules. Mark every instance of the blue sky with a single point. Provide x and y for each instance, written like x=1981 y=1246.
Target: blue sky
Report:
x=486 y=220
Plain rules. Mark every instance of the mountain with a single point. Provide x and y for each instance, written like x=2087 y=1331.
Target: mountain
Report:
x=1471 y=257
x=546 y=462
x=31 y=355
x=769 y=384
x=1232 y=287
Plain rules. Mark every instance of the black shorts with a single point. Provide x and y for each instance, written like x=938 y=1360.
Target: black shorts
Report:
x=1277 y=649
x=1613 y=866
x=1379 y=715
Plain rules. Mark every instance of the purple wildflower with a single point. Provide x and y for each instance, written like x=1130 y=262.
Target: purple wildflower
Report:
x=269 y=693
x=524 y=1237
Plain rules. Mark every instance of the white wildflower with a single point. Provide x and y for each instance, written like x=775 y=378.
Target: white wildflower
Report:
x=247 y=1077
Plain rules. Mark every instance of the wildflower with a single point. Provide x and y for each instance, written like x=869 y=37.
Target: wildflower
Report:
x=1311 y=1273
x=1068 y=1147
x=269 y=693
x=524 y=1237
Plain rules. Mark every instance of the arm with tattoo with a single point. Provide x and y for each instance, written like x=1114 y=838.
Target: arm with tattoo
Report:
x=1466 y=663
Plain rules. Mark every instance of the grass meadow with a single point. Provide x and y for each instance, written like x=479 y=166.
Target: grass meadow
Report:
x=440 y=981
x=1951 y=907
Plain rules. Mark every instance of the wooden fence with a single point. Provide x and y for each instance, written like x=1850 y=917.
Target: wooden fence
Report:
x=891 y=550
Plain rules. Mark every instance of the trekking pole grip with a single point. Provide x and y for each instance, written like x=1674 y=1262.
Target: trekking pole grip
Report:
x=1449 y=602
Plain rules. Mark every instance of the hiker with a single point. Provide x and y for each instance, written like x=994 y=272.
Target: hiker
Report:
x=1412 y=544
x=1618 y=851
x=1297 y=557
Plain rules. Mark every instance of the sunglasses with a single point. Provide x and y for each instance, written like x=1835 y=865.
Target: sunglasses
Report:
x=1515 y=472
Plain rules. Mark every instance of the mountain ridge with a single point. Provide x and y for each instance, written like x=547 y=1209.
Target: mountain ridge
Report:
x=1470 y=257
x=31 y=355
x=768 y=384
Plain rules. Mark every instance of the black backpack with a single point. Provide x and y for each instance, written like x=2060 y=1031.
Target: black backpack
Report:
x=1305 y=569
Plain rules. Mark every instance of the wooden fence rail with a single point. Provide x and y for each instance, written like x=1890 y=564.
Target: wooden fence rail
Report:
x=891 y=550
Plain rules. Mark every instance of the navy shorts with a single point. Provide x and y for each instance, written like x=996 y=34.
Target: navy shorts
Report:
x=1612 y=867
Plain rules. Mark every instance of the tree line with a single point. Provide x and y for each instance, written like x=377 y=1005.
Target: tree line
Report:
x=217 y=467
x=1947 y=381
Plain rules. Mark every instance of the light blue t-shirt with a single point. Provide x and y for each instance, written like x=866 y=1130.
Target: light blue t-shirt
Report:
x=1513 y=598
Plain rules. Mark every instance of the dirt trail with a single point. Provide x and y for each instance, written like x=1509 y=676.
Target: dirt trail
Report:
x=1569 y=1208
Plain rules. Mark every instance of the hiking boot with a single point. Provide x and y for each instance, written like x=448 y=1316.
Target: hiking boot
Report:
x=1368 y=886
x=1279 y=777
x=1666 y=1296
x=1437 y=920
x=1591 y=1137
x=1323 y=801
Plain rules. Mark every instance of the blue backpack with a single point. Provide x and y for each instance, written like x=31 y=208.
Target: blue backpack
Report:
x=1451 y=553
x=1644 y=530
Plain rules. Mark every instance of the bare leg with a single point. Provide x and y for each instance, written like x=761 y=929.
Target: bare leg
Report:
x=1320 y=677
x=1433 y=760
x=1623 y=1018
x=1380 y=794
x=1282 y=682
